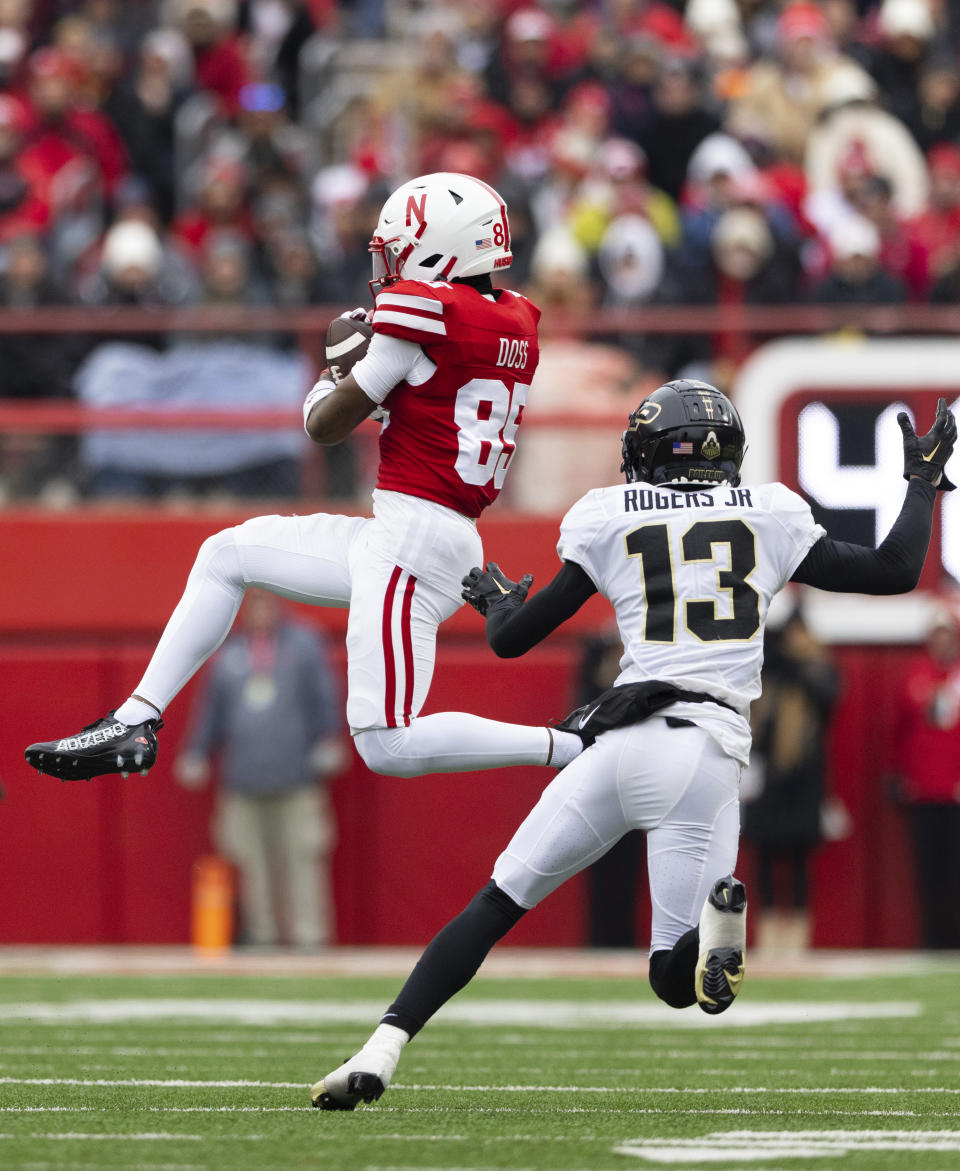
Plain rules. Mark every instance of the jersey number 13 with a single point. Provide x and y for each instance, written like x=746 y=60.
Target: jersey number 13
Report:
x=650 y=544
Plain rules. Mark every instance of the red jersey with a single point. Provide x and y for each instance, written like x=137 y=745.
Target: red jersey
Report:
x=929 y=733
x=452 y=438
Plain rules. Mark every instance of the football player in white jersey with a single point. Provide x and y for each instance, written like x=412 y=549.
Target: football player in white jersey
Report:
x=448 y=369
x=690 y=559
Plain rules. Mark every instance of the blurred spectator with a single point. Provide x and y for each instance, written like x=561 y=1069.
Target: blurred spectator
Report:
x=221 y=207
x=718 y=28
x=854 y=130
x=467 y=127
x=275 y=33
x=902 y=251
x=345 y=212
x=131 y=268
x=529 y=50
x=64 y=132
x=846 y=30
x=676 y=125
x=928 y=747
x=225 y=272
x=273 y=146
x=21 y=208
x=938 y=229
x=750 y=266
x=15 y=36
x=933 y=117
x=856 y=276
x=273 y=818
x=788 y=93
x=478 y=39
x=293 y=271
x=617 y=186
x=219 y=63
x=786 y=784
x=527 y=151
x=747 y=265
x=144 y=106
x=135 y=270
x=721 y=176
x=559 y=272
x=32 y=368
x=631 y=261
x=907 y=32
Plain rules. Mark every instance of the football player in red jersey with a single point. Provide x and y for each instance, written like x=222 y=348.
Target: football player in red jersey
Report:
x=447 y=370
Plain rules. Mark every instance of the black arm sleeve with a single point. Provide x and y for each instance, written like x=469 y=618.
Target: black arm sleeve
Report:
x=892 y=568
x=513 y=632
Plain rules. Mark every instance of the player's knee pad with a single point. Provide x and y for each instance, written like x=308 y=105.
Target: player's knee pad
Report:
x=382 y=751
x=219 y=560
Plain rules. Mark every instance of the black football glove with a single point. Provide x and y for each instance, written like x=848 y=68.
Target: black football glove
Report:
x=926 y=455
x=488 y=589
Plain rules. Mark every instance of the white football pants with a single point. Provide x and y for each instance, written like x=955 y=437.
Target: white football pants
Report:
x=676 y=784
x=400 y=573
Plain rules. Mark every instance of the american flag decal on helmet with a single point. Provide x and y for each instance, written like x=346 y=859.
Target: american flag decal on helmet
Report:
x=684 y=448
x=486 y=242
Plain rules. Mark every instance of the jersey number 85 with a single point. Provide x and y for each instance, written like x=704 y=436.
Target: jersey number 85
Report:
x=487 y=414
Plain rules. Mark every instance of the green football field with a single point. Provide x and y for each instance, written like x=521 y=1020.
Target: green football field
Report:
x=177 y=1072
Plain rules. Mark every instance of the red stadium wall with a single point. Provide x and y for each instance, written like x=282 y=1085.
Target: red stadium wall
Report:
x=81 y=602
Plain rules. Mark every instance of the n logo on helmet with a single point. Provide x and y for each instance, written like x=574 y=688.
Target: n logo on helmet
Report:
x=419 y=209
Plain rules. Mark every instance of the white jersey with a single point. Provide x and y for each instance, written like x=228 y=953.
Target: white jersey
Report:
x=691 y=575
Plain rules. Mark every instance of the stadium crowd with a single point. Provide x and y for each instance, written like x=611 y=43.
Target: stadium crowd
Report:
x=236 y=152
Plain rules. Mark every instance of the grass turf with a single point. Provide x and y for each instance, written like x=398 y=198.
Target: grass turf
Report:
x=578 y=1075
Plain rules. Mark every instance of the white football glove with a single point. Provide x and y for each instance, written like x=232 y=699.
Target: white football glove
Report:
x=358 y=314
x=321 y=388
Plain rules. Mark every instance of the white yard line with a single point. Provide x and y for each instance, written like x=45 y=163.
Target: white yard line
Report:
x=725 y=1111
x=397 y=961
x=82 y=1134
x=754 y=1145
x=559 y=1014
x=166 y=1083
x=434 y=1087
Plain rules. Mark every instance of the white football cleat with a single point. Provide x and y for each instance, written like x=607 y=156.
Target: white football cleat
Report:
x=723 y=940
x=364 y=1077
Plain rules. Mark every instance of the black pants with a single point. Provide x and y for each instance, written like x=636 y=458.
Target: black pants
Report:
x=936 y=840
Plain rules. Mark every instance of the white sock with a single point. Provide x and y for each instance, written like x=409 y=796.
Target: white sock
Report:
x=385 y=1046
x=387 y=1036
x=135 y=711
x=566 y=747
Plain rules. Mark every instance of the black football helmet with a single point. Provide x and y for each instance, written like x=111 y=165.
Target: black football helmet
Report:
x=685 y=431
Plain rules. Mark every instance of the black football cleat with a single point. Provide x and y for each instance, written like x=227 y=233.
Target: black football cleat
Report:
x=105 y=746
x=723 y=938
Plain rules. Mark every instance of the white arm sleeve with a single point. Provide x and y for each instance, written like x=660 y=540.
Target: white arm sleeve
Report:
x=389 y=361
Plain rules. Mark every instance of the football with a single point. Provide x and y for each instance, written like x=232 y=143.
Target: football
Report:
x=347 y=341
